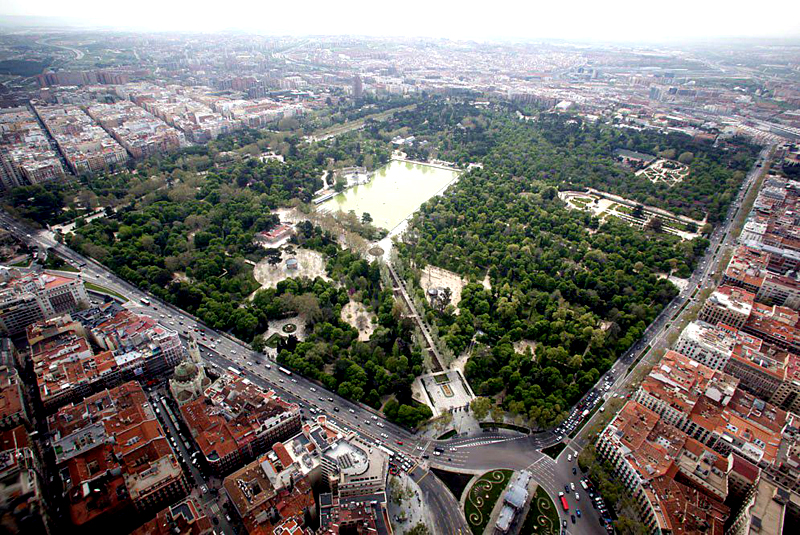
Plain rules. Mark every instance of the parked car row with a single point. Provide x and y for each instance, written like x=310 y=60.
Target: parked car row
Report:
x=599 y=504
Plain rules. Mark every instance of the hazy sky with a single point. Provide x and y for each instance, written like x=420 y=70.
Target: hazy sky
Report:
x=617 y=20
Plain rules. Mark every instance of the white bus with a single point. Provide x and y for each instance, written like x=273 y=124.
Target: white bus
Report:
x=386 y=450
x=145 y=301
x=234 y=370
x=284 y=370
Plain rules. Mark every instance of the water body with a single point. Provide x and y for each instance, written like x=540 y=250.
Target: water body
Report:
x=394 y=193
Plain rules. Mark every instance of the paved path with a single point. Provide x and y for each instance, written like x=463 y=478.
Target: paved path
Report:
x=400 y=287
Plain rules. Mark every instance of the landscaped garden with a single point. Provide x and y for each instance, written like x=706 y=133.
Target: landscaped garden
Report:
x=542 y=516
x=273 y=340
x=482 y=497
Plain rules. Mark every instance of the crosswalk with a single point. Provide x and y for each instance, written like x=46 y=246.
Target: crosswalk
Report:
x=483 y=442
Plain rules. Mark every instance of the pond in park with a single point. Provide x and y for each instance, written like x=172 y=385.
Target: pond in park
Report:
x=394 y=193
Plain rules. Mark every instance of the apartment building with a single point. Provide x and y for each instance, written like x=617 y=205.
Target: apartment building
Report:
x=708 y=344
x=729 y=306
x=141 y=133
x=111 y=452
x=775 y=325
x=22 y=507
x=67 y=369
x=26 y=298
x=235 y=420
x=264 y=502
x=26 y=156
x=86 y=147
x=12 y=404
x=670 y=496
x=187 y=517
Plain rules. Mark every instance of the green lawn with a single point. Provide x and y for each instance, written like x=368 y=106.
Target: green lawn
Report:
x=273 y=340
x=554 y=450
x=449 y=434
x=103 y=290
x=542 y=516
x=441 y=378
x=501 y=425
x=482 y=497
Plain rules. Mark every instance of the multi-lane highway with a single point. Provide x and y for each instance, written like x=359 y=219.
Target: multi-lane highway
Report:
x=470 y=454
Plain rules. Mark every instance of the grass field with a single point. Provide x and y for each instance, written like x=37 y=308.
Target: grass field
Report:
x=542 y=516
x=273 y=340
x=482 y=497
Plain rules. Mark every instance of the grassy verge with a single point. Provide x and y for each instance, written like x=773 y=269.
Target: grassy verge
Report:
x=482 y=497
x=554 y=450
x=449 y=434
x=103 y=290
x=501 y=425
x=542 y=518
x=273 y=340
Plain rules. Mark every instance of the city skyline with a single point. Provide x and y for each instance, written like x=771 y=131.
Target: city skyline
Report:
x=621 y=21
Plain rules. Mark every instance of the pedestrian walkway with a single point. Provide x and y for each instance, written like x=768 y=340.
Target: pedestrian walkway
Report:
x=399 y=286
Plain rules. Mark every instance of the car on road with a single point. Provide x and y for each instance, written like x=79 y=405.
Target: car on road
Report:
x=578 y=513
x=572 y=486
x=352 y=411
x=314 y=390
x=566 y=488
x=574 y=471
x=577 y=496
x=569 y=458
x=572 y=517
x=399 y=442
x=564 y=524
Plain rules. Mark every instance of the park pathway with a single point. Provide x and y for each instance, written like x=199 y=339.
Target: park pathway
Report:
x=399 y=287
